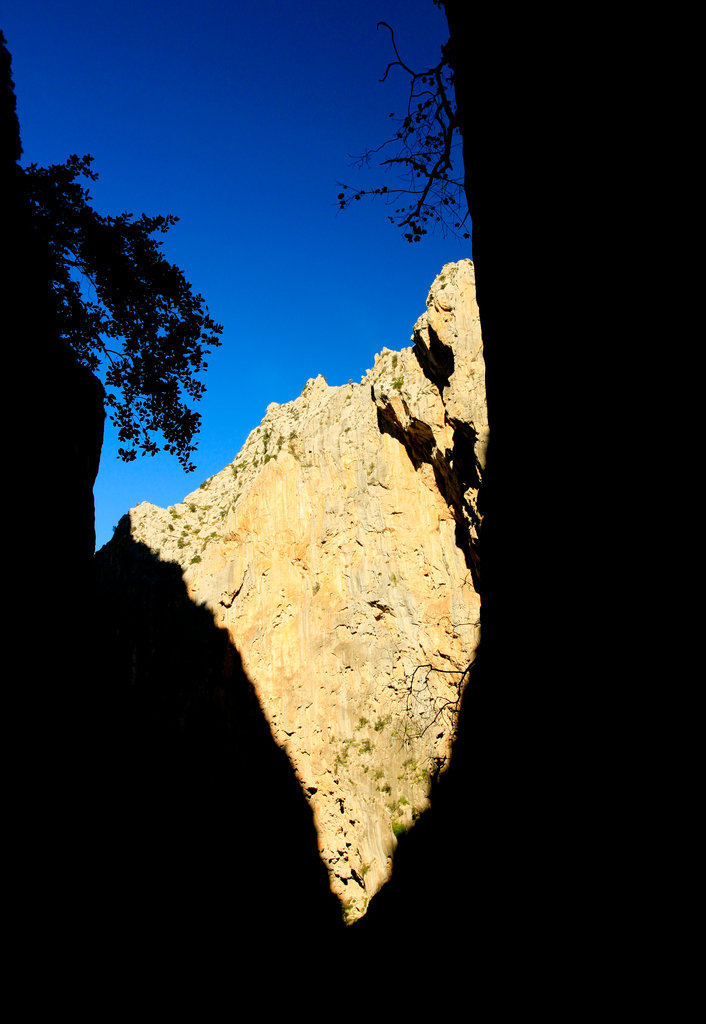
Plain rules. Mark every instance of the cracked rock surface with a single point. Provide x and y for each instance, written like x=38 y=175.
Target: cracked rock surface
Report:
x=339 y=551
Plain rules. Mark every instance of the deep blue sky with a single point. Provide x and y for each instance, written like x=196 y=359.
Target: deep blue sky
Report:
x=240 y=118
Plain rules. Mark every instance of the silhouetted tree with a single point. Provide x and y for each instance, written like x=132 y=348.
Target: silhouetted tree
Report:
x=128 y=314
x=426 y=153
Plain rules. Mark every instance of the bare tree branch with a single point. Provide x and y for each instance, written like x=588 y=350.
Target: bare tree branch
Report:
x=428 y=156
x=432 y=707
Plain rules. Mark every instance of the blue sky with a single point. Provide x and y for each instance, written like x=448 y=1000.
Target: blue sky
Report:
x=241 y=119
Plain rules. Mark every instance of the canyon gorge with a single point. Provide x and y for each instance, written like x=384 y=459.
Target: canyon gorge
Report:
x=338 y=552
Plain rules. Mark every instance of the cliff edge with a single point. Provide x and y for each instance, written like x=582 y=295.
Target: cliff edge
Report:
x=339 y=551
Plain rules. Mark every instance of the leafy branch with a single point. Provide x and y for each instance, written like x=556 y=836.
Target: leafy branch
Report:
x=129 y=315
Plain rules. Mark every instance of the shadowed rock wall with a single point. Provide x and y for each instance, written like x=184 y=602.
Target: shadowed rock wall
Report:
x=338 y=551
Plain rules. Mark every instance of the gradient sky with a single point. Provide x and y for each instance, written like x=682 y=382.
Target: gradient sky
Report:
x=240 y=118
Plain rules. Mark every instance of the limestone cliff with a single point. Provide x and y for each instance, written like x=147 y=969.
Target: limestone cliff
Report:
x=339 y=551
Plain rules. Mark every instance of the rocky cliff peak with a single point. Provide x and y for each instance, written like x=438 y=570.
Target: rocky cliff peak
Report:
x=338 y=550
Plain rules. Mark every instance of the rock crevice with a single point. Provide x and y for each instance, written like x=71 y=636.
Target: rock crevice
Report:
x=338 y=550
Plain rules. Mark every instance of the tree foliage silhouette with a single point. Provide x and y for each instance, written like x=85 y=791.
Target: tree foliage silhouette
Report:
x=129 y=315
x=426 y=152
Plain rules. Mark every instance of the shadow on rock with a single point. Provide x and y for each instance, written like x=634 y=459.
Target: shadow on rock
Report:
x=206 y=829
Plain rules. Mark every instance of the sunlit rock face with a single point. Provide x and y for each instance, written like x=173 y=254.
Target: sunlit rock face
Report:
x=339 y=551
